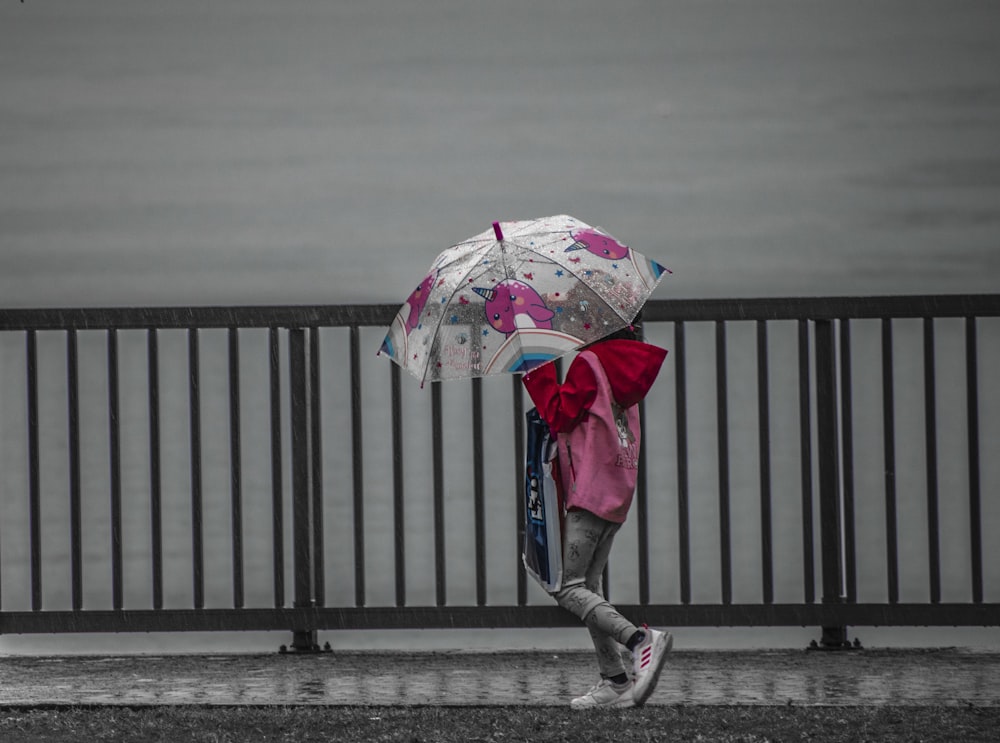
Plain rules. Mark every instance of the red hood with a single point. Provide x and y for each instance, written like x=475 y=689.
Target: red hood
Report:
x=631 y=367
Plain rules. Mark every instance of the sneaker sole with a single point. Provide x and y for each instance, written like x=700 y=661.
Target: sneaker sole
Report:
x=655 y=673
x=613 y=705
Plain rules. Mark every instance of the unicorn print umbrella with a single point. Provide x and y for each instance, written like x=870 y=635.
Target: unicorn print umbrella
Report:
x=517 y=296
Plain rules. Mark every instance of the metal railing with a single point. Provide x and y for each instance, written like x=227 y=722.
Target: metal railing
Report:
x=317 y=473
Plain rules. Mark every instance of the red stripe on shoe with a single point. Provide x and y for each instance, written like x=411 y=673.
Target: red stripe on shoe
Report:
x=647 y=654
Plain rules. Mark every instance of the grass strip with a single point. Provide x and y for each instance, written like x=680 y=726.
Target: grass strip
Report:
x=498 y=724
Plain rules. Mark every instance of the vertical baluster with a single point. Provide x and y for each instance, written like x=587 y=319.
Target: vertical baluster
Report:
x=194 y=397
x=642 y=511
x=930 y=437
x=301 y=547
x=75 y=518
x=155 y=480
x=34 y=483
x=683 y=515
x=277 y=484
x=764 y=453
x=358 y=457
x=642 y=504
x=847 y=461
x=399 y=525
x=889 y=449
x=316 y=472
x=722 y=408
x=805 y=446
x=235 y=467
x=829 y=480
x=114 y=426
x=479 y=489
x=972 y=420
x=519 y=475
x=303 y=638
x=440 y=574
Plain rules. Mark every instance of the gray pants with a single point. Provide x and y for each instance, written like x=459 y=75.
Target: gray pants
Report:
x=586 y=545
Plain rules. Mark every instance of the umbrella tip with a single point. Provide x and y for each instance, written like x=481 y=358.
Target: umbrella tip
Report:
x=496 y=231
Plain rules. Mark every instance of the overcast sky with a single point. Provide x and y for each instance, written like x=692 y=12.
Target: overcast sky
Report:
x=249 y=151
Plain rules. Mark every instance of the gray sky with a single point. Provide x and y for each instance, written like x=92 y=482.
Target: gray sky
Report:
x=247 y=151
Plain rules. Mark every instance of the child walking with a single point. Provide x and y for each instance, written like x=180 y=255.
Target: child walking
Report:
x=595 y=417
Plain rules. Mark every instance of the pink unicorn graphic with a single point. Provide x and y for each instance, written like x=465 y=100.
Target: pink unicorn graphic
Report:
x=511 y=305
x=418 y=300
x=601 y=245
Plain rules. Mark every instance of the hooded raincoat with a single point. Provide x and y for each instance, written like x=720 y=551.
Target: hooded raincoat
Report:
x=594 y=416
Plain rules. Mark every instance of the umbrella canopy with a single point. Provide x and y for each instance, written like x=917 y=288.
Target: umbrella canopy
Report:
x=519 y=295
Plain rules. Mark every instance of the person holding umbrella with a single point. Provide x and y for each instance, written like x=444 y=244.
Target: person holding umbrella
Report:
x=512 y=299
x=595 y=418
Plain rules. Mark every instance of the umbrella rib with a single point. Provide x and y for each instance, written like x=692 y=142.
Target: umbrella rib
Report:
x=445 y=265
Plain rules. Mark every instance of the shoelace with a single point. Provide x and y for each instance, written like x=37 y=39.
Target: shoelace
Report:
x=599 y=685
x=605 y=683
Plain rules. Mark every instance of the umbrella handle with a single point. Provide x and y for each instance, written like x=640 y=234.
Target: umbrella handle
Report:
x=496 y=231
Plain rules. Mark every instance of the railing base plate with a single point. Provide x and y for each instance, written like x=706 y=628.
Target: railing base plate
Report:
x=304 y=642
x=835 y=638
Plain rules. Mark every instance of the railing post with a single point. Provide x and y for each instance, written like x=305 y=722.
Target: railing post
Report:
x=834 y=637
x=303 y=640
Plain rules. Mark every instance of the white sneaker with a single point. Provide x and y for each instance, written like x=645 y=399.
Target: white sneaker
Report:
x=648 y=660
x=605 y=694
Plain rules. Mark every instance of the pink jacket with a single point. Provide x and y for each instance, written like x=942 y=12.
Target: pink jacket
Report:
x=596 y=421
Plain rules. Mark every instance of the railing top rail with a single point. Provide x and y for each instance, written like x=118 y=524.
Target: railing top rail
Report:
x=662 y=310
x=825 y=308
x=139 y=318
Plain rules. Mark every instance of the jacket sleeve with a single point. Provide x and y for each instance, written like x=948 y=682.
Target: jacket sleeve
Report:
x=562 y=405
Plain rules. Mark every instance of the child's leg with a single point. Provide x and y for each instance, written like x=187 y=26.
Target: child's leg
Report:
x=609 y=650
x=587 y=543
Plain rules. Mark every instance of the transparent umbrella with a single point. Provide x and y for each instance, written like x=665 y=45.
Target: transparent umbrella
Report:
x=517 y=296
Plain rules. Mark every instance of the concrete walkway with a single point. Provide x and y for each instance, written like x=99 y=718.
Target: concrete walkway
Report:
x=862 y=677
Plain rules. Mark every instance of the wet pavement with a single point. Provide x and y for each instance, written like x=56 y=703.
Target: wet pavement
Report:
x=859 y=677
